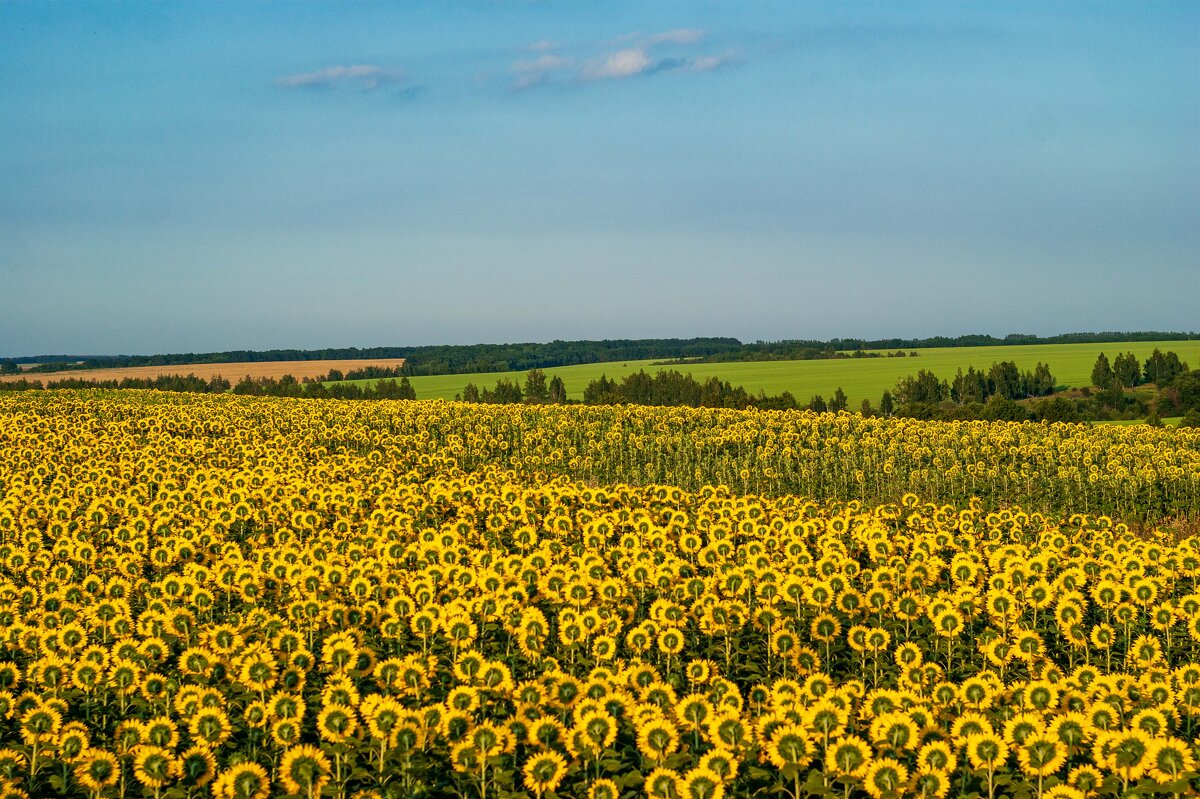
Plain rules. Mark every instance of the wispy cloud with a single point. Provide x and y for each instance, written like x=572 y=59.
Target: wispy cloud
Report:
x=707 y=63
x=538 y=70
x=677 y=36
x=542 y=46
x=625 y=56
x=621 y=64
x=366 y=76
x=635 y=61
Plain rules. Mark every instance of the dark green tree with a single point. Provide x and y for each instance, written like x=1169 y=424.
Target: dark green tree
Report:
x=1057 y=409
x=969 y=386
x=887 y=405
x=1127 y=370
x=1102 y=373
x=558 y=391
x=506 y=392
x=924 y=387
x=536 y=390
x=1002 y=409
x=1004 y=378
x=1041 y=382
x=1163 y=367
x=839 y=401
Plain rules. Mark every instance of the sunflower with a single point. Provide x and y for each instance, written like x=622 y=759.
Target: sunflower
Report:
x=931 y=784
x=603 y=789
x=304 y=770
x=702 y=783
x=383 y=719
x=730 y=732
x=97 y=770
x=1041 y=755
x=789 y=746
x=657 y=739
x=721 y=762
x=258 y=672
x=1021 y=726
x=1170 y=759
x=1064 y=792
x=664 y=783
x=895 y=731
x=885 y=778
x=544 y=771
x=160 y=731
x=986 y=750
x=826 y=718
x=937 y=756
x=546 y=732
x=489 y=739
x=825 y=628
x=73 y=741
x=848 y=757
x=699 y=671
x=1151 y=721
x=285 y=706
x=285 y=732
x=336 y=723
x=154 y=766
x=1103 y=636
x=210 y=726
x=40 y=724
x=197 y=766
x=243 y=781
x=1126 y=753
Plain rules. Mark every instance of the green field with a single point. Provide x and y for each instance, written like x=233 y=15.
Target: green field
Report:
x=860 y=378
x=1170 y=421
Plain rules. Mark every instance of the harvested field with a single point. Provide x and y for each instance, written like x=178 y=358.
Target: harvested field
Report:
x=233 y=372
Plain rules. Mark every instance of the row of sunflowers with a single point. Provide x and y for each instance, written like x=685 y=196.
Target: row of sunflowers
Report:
x=1131 y=472
x=250 y=598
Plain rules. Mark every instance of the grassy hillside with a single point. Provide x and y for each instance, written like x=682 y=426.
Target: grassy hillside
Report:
x=862 y=378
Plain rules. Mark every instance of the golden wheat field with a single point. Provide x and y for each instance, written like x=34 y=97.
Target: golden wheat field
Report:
x=233 y=372
x=243 y=598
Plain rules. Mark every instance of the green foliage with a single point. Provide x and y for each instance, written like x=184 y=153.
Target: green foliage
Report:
x=1102 y=373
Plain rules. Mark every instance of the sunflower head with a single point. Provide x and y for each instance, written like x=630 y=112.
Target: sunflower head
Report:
x=98 y=770
x=304 y=769
x=885 y=778
x=544 y=771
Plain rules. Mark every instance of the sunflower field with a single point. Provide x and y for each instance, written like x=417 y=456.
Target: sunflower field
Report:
x=244 y=598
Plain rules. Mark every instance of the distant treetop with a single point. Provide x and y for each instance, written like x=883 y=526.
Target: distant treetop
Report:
x=475 y=358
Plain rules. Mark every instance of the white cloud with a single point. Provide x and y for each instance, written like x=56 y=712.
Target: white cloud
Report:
x=368 y=76
x=538 y=70
x=707 y=63
x=621 y=64
x=676 y=36
x=627 y=56
x=542 y=46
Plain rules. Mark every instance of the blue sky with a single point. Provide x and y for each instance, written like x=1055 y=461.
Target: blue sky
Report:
x=208 y=176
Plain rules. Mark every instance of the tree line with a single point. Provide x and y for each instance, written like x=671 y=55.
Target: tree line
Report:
x=188 y=383
x=666 y=387
x=519 y=357
x=285 y=386
x=1004 y=393
x=288 y=386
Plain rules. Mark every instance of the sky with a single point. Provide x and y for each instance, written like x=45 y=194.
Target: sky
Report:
x=193 y=177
